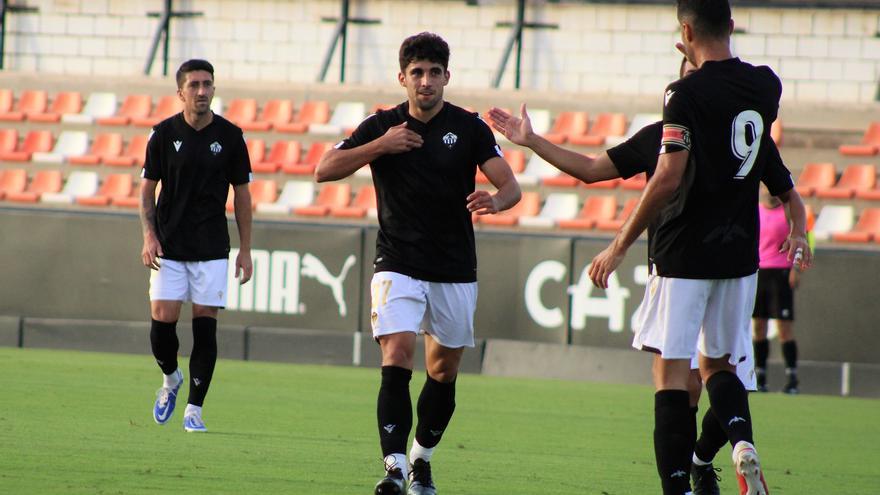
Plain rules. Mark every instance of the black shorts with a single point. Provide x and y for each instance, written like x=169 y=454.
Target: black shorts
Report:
x=774 y=297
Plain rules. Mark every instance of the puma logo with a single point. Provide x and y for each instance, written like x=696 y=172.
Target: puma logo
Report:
x=312 y=267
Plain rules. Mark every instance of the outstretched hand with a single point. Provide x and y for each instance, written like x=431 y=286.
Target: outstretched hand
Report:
x=517 y=130
x=399 y=139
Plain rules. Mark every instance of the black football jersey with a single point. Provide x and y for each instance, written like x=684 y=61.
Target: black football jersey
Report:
x=195 y=169
x=425 y=229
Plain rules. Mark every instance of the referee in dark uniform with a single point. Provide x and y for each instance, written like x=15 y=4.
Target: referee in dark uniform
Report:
x=196 y=156
x=423 y=155
x=703 y=251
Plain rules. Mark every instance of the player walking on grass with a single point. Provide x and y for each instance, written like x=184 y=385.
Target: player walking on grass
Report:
x=196 y=155
x=701 y=204
x=423 y=155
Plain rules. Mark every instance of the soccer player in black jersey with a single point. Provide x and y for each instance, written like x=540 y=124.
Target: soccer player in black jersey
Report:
x=701 y=205
x=196 y=156
x=423 y=156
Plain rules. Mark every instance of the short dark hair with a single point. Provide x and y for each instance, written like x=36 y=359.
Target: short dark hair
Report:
x=192 y=66
x=709 y=18
x=424 y=46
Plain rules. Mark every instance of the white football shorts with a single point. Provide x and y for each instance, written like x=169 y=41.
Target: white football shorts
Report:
x=401 y=303
x=680 y=316
x=745 y=369
x=202 y=282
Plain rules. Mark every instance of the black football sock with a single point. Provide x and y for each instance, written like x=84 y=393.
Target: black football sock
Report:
x=163 y=341
x=394 y=410
x=692 y=422
x=762 y=352
x=672 y=440
x=789 y=353
x=435 y=407
x=712 y=437
x=730 y=403
x=202 y=359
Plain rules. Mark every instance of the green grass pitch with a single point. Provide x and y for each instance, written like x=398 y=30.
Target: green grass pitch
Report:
x=80 y=423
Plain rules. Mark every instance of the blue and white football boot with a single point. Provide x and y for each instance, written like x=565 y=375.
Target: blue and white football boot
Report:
x=192 y=421
x=166 y=398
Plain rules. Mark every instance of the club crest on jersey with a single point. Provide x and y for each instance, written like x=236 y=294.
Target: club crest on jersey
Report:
x=216 y=148
x=450 y=139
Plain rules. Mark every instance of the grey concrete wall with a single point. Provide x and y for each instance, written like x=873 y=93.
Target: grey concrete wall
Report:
x=10 y=327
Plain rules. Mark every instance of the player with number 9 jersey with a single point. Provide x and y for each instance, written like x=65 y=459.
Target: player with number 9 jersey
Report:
x=722 y=115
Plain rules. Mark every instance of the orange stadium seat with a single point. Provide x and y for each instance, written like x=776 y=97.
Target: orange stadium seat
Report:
x=134 y=153
x=616 y=223
x=8 y=140
x=308 y=164
x=568 y=124
x=606 y=124
x=332 y=195
x=275 y=112
x=312 y=112
x=869 y=146
x=363 y=203
x=604 y=184
x=241 y=111
x=114 y=186
x=6 y=100
x=595 y=208
x=516 y=159
x=262 y=191
x=866 y=229
x=529 y=206
x=34 y=142
x=283 y=153
x=168 y=105
x=635 y=183
x=256 y=150
x=45 y=181
x=64 y=102
x=12 y=181
x=133 y=107
x=872 y=194
x=31 y=101
x=133 y=200
x=813 y=177
x=106 y=145
x=776 y=132
x=854 y=178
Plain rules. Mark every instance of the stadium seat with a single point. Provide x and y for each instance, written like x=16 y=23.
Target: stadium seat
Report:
x=168 y=105
x=133 y=200
x=867 y=229
x=869 y=146
x=69 y=143
x=115 y=186
x=557 y=206
x=364 y=204
x=133 y=107
x=833 y=219
x=854 y=178
x=312 y=112
x=241 y=111
x=814 y=177
x=529 y=205
x=639 y=122
x=616 y=223
x=776 y=132
x=134 y=153
x=44 y=181
x=262 y=191
x=12 y=181
x=595 y=208
x=273 y=113
x=34 y=142
x=604 y=184
x=256 y=150
x=381 y=106
x=8 y=140
x=308 y=164
x=516 y=159
x=79 y=184
x=346 y=116
x=106 y=145
x=282 y=153
x=536 y=170
x=606 y=124
x=6 y=100
x=31 y=101
x=567 y=124
x=64 y=102
x=332 y=195
x=217 y=105
x=635 y=183
x=296 y=193
x=872 y=194
x=98 y=106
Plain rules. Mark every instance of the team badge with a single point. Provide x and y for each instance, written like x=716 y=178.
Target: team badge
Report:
x=216 y=148
x=450 y=139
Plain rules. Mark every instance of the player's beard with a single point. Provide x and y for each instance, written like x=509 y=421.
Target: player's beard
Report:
x=429 y=104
